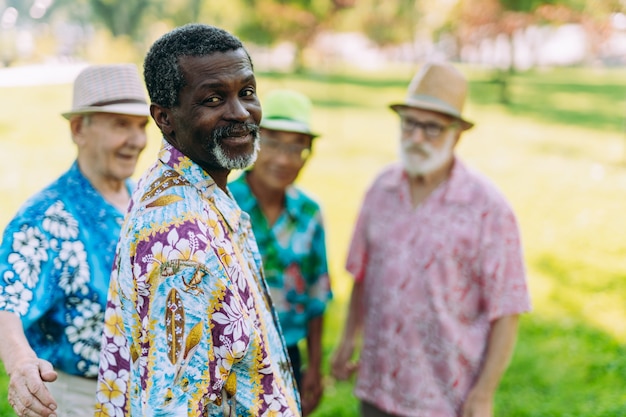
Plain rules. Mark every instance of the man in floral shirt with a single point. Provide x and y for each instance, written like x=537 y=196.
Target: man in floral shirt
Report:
x=289 y=230
x=438 y=269
x=190 y=328
x=57 y=253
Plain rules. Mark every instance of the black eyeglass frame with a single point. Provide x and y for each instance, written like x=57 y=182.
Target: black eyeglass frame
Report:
x=432 y=130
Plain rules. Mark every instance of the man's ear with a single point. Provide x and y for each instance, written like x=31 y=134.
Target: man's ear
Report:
x=457 y=135
x=77 y=129
x=163 y=118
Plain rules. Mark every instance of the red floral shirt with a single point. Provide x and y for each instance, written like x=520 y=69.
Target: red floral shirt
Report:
x=434 y=277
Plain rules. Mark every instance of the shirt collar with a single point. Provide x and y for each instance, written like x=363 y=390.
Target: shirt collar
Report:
x=456 y=189
x=203 y=182
x=293 y=204
x=87 y=191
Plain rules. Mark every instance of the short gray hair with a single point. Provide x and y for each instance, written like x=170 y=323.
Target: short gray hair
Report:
x=162 y=74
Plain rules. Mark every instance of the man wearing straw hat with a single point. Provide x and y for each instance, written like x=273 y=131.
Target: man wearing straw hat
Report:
x=438 y=269
x=288 y=226
x=57 y=253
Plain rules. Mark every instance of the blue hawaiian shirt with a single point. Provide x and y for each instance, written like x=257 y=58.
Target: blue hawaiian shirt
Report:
x=56 y=256
x=294 y=257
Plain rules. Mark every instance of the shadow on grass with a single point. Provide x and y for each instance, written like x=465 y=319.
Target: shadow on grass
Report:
x=563 y=368
x=340 y=79
x=575 y=275
x=573 y=97
x=572 y=102
x=559 y=369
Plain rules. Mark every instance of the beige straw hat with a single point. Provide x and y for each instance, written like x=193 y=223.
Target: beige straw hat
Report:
x=112 y=88
x=439 y=87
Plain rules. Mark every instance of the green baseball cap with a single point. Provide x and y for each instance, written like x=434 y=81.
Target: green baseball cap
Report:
x=288 y=111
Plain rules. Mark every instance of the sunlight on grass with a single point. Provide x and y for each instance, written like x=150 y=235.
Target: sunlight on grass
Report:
x=557 y=153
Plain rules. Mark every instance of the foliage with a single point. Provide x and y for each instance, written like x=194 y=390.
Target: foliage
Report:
x=391 y=22
x=121 y=17
x=299 y=22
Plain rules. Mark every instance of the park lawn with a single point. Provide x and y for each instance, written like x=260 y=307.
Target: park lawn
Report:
x=557 y=152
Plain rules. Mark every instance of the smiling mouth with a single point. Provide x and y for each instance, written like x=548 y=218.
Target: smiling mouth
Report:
x=239 y=139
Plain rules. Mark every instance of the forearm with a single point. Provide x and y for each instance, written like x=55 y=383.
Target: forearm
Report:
x=314 y=343
x=14 y=347
x=354 y=321
x=500 y=348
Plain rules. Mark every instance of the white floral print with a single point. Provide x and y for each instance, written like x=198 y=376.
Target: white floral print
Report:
x=84 y=328
x=17 y=296
x=72 y=261
x=59 y=223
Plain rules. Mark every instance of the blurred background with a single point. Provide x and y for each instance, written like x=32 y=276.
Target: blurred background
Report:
x=293 y=35
x=547 y=93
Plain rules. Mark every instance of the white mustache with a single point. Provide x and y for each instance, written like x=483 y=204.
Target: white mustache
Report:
x=424 y=149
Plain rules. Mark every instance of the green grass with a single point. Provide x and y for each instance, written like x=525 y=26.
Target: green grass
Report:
x=557 y=152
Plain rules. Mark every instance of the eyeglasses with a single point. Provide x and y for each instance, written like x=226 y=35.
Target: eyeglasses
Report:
x=431 y=130
x=295 y=151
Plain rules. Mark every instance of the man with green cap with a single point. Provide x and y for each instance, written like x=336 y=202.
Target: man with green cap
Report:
x=290 y=234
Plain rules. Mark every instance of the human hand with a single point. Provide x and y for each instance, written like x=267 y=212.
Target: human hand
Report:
x=28 y=394
x=478 y=404
x=342 y=366
x=311 y=390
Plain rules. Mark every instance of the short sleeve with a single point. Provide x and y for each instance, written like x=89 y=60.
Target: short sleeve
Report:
x=319 y=290
x=502 y=263
x=25 y=269
x=357 y=258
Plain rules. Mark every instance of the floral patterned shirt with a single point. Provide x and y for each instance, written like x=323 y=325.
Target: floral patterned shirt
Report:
x=190 y=329
x=434 y=278
x=56 y=257
x=294 y=257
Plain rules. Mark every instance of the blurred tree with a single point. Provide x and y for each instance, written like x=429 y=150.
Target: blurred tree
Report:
x=179 y=12
x=298 y=21
x=121 y=17
x=476 y=20
x=389 y=22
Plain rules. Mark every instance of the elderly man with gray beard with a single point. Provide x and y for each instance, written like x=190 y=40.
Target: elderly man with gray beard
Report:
x=438 y=269
x=190 y=327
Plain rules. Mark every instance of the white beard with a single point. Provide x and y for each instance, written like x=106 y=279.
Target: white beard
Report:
x=240 y=162
x=423 y=159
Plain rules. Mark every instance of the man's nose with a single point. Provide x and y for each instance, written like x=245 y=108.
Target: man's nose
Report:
x=417 y=135
x=237 y=110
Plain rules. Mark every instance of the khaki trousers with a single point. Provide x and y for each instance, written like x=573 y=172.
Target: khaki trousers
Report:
x=75 y=395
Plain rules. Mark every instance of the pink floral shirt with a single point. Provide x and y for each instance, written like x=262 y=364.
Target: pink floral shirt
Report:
x=434 y=278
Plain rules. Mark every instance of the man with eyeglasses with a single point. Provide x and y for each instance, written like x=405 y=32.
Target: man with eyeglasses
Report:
x=287 y=224
x=438 y=268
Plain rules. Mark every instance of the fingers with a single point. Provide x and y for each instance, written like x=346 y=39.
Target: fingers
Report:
x=28 y=394
x=310 y=400
x=46 y=371
x=343 y=370
x=312 y=390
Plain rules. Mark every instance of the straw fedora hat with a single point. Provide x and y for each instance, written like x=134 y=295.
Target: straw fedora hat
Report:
x=288 y=111
x=438 y=87
x=112 y=88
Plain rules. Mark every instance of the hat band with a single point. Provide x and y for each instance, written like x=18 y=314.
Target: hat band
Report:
x=288 y=119
x=113 y=102
x=437 y=102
